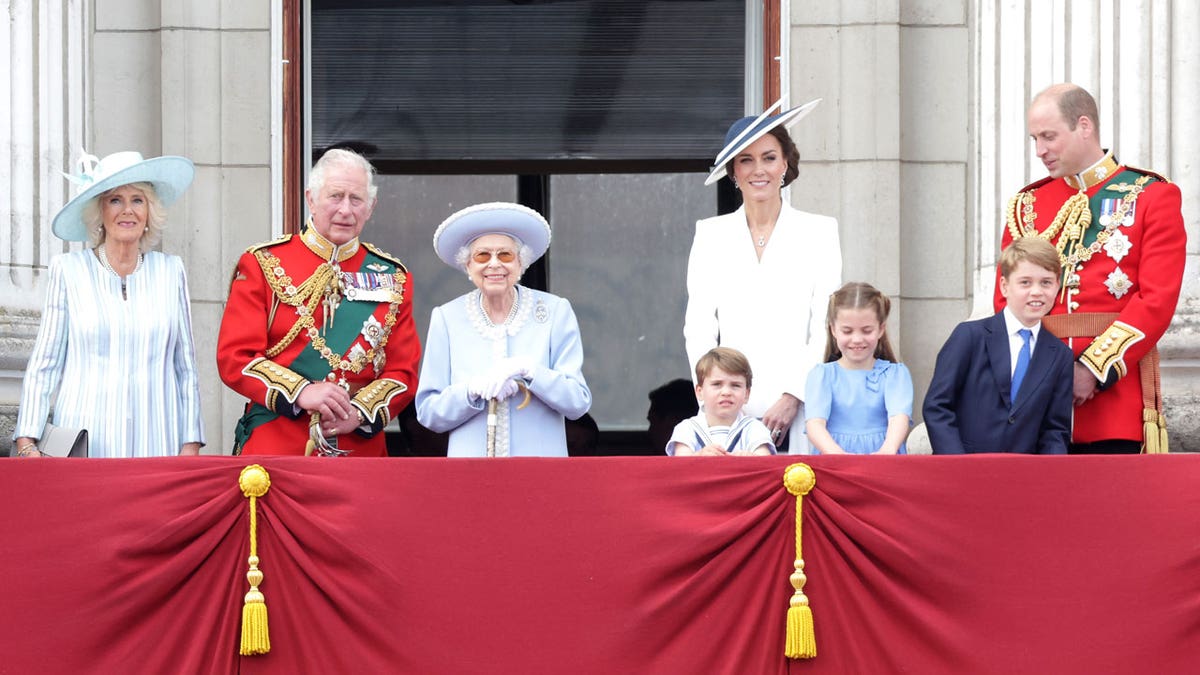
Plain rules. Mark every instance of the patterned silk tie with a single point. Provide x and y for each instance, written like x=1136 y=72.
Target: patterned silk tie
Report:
x=1022 y=363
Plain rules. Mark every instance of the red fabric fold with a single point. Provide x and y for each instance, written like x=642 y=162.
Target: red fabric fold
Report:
x=982 y=564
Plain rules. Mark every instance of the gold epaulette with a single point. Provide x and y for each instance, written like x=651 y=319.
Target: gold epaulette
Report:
x=265 y=244
x=1147 y=172
x=386 y=256
x=255 y=248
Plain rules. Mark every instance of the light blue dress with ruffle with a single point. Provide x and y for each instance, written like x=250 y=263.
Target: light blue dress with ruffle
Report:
x=856 y=404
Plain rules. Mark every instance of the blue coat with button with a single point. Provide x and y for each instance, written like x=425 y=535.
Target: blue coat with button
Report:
x=969 y=409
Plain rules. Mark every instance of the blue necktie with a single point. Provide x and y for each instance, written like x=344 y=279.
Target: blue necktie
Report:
x=1022 y=363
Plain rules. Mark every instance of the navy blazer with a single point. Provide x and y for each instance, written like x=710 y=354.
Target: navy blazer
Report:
x=968 y=407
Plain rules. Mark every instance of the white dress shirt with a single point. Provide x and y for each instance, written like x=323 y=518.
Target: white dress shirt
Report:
x=1013 y=326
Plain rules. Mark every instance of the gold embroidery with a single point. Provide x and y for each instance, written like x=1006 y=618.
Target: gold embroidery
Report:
x=1079 y=253
x=375 y=397
x=305 y=299
x=1073 y=219
x=1098 y=173
x=1121 y=187
x=277 y=378
x=1107 y=351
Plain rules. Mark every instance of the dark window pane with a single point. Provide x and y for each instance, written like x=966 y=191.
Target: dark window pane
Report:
x=508 y=81
x=620 y=257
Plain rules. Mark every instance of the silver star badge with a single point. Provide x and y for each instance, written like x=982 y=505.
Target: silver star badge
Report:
x=372 y=330
x=1118 y=283
x=1117 y=246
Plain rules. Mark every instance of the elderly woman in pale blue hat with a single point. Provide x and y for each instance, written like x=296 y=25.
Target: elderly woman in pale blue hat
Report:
x=759 y=278
x=503 y=363
x=114 y=349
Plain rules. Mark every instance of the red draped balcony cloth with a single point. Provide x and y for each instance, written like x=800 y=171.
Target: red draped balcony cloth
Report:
x=983 y=564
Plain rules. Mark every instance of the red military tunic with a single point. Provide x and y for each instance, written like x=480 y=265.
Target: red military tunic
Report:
x=1128 y=261
x=275 y=339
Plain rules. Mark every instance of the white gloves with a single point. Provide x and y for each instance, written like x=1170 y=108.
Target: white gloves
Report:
x=501 y=389
x=477 y=386
x=501 y=382
x=519 y=367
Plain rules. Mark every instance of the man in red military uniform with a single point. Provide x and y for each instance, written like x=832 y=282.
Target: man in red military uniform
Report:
x=1120 y=235
x=318 y=331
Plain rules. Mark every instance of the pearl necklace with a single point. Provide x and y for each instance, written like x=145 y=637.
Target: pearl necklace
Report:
x=104 y=262
x=512 y=312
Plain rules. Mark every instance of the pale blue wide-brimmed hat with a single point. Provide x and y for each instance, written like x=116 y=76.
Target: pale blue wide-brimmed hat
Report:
x=467 y=225
x=170 y=175
x=745 y=131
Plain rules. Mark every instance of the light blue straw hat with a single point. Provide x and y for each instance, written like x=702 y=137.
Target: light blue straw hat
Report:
x=170 y=175
x=467 y=225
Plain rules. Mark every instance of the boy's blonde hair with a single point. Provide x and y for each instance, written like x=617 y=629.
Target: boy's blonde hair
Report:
x=1033 y=249
x=727 y=359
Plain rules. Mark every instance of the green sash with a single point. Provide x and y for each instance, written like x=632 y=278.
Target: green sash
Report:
x=1105 y=193
x=309 y=364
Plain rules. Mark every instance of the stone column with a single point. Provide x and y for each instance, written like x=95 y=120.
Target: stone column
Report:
x=888 y=153
x=1177 y=92
x=1142 y=62
x=42 y=129
x=159 y=77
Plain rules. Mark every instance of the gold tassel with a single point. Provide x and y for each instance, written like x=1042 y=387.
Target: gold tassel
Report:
x=1150 y=433
x=1154 y=431
x=799 y=479
x=256 y=639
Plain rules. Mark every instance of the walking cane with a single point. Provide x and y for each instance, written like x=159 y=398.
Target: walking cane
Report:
x=491 y=427
x=491 y=418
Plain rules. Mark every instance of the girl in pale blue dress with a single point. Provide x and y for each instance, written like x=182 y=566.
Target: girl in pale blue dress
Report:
x=860 y=400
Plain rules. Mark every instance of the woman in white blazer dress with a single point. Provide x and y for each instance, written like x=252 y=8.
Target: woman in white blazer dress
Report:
x=759 y=278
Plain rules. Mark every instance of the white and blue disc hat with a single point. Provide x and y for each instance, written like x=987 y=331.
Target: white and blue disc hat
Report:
x=467 y=225
x=745 y=131
x=170 y=176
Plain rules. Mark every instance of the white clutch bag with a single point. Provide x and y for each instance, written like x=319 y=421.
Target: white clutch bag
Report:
x=63 y=442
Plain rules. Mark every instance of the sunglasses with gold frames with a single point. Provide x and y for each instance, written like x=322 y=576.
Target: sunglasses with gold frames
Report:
x=483 y=257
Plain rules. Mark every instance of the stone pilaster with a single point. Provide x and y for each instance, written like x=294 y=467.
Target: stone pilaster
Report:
x=1142 y=62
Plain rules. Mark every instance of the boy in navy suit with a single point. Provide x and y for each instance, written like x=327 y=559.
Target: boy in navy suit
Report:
x=1002 y=384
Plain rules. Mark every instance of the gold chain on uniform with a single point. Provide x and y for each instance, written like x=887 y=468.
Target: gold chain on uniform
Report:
x=1073 y=219
x=305 y=299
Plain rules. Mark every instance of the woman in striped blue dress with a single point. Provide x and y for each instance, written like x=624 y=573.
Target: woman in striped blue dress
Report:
x=114 y=350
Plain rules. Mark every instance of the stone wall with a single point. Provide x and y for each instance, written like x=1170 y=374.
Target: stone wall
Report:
x=160 y=77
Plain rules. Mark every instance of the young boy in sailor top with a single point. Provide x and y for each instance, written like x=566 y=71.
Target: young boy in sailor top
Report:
x=721 y=428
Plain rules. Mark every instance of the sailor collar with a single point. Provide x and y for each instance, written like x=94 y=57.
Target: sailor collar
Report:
x=1095 y=174
x=326 y=249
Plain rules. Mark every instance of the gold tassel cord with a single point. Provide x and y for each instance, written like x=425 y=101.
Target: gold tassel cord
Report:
x=256 y=639
x=799 y=480
x=1154 y=431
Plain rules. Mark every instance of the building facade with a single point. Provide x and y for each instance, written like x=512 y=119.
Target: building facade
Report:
x=916 y=148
